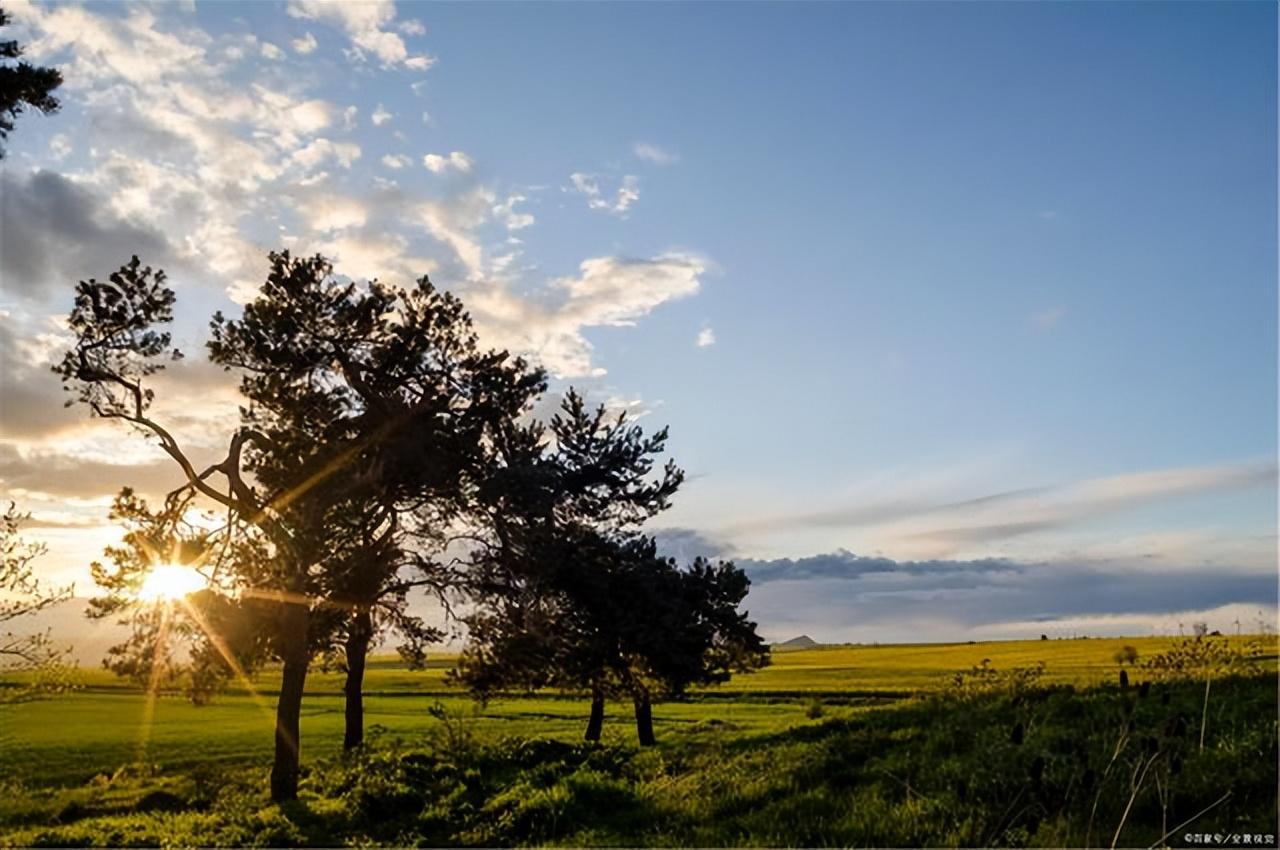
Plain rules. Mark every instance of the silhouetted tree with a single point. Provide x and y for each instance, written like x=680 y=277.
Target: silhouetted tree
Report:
x=551 y=490
x=118 y=345
x=22 y=595
x=397 y=376
x=365 y=407
x=200 y=641
x=686 y=630
x=22 y=85
x=611 y=617
x=569 y=595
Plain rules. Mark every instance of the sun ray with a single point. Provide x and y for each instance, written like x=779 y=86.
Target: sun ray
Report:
x=227 y=655
x=153 y=685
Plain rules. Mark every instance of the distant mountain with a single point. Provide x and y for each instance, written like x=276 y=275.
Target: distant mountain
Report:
x=802 y=642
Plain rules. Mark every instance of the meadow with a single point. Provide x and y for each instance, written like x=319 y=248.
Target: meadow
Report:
x=857 y=745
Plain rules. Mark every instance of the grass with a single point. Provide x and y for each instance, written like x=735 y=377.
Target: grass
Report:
x=819 y=749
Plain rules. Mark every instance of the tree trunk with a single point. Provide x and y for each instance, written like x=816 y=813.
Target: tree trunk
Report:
x=644 y=721
x=294 y=650
x=358 y=639
x=596 y=723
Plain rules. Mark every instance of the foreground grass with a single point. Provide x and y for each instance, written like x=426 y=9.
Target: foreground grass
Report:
x=822 y=748
x=1049 y=766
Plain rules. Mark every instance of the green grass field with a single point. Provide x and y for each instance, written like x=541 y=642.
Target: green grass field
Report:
x=60 y=754
x=70 y=739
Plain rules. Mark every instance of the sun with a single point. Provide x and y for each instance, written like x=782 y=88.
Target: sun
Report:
x=170 y=582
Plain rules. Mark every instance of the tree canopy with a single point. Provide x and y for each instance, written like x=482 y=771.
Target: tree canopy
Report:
x=569 y=594
x=22 y=85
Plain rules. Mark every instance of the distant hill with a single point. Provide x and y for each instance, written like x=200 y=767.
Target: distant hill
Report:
x=802 y=642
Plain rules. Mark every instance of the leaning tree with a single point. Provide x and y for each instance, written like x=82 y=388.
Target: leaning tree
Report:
x=118 y=345
x=364 y=406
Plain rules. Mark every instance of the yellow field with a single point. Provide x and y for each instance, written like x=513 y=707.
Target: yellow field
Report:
x=902 y=668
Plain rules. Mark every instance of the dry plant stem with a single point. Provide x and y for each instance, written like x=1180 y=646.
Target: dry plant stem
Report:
x=1191 y=819
x=1164 y=803
x=1137 y=786
x=1120 y=742
x=1000 y=824
x=1204 y=715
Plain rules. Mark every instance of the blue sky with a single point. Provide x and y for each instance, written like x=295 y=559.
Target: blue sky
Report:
x=933 y=283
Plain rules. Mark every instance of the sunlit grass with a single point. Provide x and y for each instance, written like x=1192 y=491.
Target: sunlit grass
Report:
x=71 y=738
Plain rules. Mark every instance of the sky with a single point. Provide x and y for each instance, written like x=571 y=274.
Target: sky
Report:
x=962 y=316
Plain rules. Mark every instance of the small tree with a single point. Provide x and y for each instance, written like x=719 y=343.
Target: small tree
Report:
x=198 y=642
x=678 y=629
x=616 y=620
x=22 y=85
x=1125 y=655
x=553 y=492
x=22 y=595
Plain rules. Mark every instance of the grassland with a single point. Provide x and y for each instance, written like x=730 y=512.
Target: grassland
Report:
x=840 y=745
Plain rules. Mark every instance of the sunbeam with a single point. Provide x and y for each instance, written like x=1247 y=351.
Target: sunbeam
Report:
x=153 y=685
x=228 y=656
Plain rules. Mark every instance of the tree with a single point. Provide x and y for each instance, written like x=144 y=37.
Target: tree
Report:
x=551 y=489
x=198 y=642
x=22 y=85
x=118 y=345
x=611 y=617
x=685 y=630
x=570 y=595
x=366 y=410
x=22 y=595
x=398 y=376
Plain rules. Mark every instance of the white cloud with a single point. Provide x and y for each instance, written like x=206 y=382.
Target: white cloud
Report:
x=608 y=291
x=396 y=161
x=270 y=51
x=332 y=212
x=366 y=24
x=60 y=146
x=438 y=164
x=132 y=48
x=654 y=154
x=507 y=213
x=380 y=116
x=349 y=117
x=706 y=337
x=306 y=44
x=385 y=256
x=628 y=193
x=321 y=150
x=412 y=27
x=453 y=223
